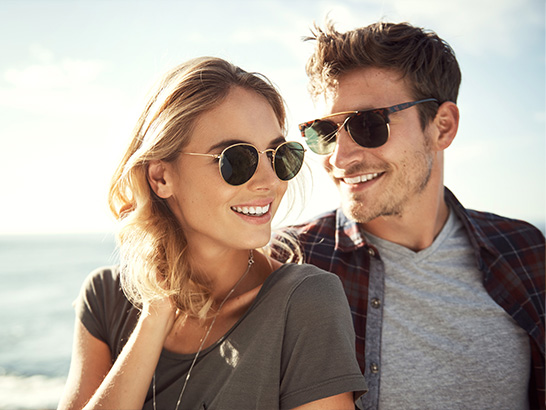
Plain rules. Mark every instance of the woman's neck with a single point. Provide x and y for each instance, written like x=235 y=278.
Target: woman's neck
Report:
x=222 y=270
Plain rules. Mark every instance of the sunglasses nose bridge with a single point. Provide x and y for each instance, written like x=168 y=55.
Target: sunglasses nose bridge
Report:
x=272 y=173
x=345 y=123
x=270 y=153
x=339 y=126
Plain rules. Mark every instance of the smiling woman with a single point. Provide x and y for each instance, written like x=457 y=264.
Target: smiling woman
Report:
x=196 y=316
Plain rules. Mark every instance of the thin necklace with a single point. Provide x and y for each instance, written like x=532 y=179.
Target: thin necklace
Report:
x=250 y=262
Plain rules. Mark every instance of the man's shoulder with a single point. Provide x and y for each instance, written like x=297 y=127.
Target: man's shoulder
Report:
x=323 y=224
x=315 y=238
x=514 y=242
x=500 y=228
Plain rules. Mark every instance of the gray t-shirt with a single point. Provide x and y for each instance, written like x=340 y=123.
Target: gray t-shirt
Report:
x=294 y=345
x=446 y=344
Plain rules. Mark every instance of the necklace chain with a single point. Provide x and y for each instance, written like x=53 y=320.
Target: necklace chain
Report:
x=250 y=262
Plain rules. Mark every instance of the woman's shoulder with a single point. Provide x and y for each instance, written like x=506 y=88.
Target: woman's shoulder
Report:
x=103 y=279
x=102 y=289
x=307 y=281
x=297 y=273
x=108 y=273
x=104 y=309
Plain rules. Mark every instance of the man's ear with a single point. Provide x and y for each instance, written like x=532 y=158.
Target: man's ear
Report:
x=446 y=123
x=159 y=178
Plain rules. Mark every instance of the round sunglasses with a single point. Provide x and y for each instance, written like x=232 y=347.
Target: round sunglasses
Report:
x=368 y=128
x=238 y=163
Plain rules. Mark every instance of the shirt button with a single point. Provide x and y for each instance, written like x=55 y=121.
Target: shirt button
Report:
x=374 y=368
x=371 y=252
x=376 y=303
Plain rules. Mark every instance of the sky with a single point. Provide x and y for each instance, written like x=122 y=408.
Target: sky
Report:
x=74 y=76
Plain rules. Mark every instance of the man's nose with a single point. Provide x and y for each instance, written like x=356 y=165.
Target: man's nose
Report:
x=346 y=150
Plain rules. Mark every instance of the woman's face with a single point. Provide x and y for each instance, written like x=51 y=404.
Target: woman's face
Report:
x=211 y=212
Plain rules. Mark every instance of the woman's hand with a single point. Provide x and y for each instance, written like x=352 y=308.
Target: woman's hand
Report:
x=160 y=311
x=95 y=383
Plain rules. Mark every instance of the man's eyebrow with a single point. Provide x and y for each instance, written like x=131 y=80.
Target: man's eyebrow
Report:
x=335 y=114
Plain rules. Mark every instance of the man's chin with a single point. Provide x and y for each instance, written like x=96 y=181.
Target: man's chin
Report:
x=357 y=212
x=360 y=213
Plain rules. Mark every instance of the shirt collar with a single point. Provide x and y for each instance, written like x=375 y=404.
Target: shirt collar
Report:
x=349 y=235
x=477 y=236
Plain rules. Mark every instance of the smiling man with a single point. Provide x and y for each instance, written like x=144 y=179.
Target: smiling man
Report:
x=447 y=302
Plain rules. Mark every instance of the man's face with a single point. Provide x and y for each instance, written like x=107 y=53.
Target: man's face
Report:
x=388 y=180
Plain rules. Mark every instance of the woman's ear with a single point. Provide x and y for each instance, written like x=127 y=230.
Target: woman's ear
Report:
x=159 y=178
x=447 y=124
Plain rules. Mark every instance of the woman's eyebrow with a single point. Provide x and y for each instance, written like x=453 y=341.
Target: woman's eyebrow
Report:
x=224 y=144
x=277 y=141
x=220 y=146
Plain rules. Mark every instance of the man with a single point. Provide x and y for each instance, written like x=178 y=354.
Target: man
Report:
x=448 y=303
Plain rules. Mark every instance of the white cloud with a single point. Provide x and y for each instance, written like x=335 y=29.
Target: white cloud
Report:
x=68 y=126
x=539 y=117
x=62 y=74
x=59 y=87
x=41 y=53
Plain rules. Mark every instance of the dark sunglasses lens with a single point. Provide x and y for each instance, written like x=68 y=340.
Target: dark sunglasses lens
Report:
x=368 y=129
x=238 y=164
x=288 y=160
x=321 y=137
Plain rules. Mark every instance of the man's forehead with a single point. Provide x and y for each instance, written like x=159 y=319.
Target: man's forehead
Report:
x=366 y=89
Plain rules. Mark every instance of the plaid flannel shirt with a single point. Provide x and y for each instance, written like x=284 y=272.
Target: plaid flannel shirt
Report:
x=510 y=254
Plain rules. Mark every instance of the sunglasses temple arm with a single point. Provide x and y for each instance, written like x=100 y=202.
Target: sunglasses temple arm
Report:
x=201 y=155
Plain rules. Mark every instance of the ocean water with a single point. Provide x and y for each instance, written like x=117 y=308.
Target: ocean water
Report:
x=40 y=277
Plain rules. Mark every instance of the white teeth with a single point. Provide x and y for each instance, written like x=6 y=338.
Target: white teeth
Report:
x=252 y=210
x=354 y=180
x=360 y=178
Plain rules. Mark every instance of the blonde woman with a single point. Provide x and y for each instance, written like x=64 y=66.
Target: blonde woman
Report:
x=196 y=317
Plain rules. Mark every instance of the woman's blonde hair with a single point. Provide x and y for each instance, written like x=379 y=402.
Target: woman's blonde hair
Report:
x=152 y=244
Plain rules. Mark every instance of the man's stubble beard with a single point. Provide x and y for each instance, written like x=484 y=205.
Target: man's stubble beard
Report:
x=412 y=179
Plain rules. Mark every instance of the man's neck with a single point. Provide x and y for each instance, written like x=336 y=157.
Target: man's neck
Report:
x=418 y=225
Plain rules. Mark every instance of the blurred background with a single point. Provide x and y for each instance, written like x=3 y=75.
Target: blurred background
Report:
x=74 y=76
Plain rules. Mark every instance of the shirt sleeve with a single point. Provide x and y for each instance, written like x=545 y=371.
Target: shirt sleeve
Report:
x=318 y=358
x=96 y=306
x=104 y=310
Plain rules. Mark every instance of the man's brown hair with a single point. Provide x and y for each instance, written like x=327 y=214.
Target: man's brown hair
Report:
x=425 y=60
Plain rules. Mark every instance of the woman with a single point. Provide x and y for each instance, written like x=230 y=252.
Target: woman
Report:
x=204 y=320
